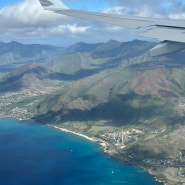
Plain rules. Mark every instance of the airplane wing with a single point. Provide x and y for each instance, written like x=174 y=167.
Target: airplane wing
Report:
x=170 y=32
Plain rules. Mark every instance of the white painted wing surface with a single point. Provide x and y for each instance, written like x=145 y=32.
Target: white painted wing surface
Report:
x=176 y=34
x=173 y=30
x=161 y=29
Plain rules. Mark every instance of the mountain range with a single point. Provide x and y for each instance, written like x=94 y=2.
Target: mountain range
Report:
x=15 y=54
x=95 y=88
x=72 y=63
x=99 y=77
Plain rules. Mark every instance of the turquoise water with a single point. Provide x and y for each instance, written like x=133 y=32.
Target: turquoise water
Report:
x=34 y=154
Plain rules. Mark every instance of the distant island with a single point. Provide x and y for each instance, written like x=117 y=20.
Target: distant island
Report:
x=112 y=92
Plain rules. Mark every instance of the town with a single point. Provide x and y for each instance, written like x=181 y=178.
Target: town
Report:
x=122 y=138
x=19 y=104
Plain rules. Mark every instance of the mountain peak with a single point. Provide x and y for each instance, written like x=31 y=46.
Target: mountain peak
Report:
x=112 y=41
x=14 y=43
x=81 y=47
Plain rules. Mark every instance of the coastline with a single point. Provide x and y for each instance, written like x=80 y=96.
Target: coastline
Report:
x=105 y=145
x=102 y=143
x=73 y=132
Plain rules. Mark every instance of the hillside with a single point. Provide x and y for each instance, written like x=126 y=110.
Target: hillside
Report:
x=99 y=57
x=15 y=54
x=114 y=87
x=145 y=92
x=29 y=76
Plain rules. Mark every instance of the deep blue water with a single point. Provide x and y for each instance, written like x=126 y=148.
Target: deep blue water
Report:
x=34 y=154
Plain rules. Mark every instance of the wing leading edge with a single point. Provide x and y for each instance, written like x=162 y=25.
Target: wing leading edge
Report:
x=170 y=32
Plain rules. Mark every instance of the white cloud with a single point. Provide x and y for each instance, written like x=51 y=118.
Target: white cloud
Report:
x=115 y=10
x=177 y=16
x=144 y=11
x=73 y=28
x=26 y=14
x=27 y=20
x=151 y=8
x=77 y=29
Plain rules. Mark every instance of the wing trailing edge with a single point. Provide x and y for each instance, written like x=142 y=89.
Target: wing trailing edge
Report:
x=167 y=47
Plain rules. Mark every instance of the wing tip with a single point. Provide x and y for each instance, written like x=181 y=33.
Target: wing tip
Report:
x=46 y=3
x=49 y=4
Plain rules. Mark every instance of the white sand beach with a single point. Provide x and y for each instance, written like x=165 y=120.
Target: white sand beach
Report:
x=73 y=132
x=105 y=145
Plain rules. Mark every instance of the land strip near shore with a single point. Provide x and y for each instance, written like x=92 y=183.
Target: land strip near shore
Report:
x=165 y=170
x=73 y=132
x=108 y=147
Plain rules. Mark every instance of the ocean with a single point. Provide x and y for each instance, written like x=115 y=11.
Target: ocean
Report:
x=35 y=154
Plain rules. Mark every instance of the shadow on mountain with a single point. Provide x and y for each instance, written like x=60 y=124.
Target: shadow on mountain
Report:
x=118 y=111
x=8 y=86
x=11 y=83
x=143 y=152
x=23 y=77
x=83 y=73
x=71 y=77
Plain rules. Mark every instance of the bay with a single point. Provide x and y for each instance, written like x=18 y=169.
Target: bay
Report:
x=35 y=154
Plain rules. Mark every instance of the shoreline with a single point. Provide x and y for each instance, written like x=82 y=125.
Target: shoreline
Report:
x=104 y=145
x=73 y=132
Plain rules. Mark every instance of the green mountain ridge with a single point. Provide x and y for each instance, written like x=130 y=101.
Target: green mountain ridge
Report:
x=15 y=54
x=73 y=66
x=114 y=94
x=103 y=56
x=28 y=76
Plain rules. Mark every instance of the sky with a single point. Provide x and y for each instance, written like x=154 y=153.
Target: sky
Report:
x=25 y=21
